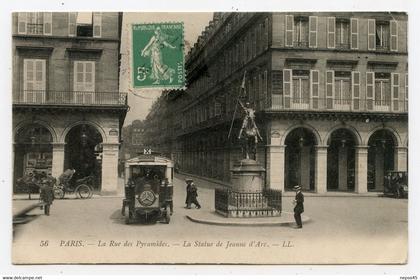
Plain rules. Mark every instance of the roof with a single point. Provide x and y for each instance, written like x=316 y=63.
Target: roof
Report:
x=149 y=160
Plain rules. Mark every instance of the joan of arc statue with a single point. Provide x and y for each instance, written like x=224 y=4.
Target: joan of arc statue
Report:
x=249 y=132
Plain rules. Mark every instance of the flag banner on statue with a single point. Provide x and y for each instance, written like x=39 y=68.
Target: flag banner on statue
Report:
x=158 y=55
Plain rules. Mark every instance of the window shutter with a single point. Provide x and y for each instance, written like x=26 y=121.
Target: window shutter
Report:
x=314 y=88
x=331 y=32
x=370 y=90
x=289 y=31
x=265 y=89
x=90 y=76
x=355 y=89
x=329 y=94
x=395 y=91
x=371 y=34
x=354 y=31
x=22 y=18
x=266 y=34
x=406 y=93
x=47 y=23
x=97 y=24
x=287 y=87
x=393 y=26
x=28 y=74
x=72 y=24
x=313 y=27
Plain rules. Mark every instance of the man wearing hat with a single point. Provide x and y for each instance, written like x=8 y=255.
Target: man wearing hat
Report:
x=298 y=202
x=188 y=198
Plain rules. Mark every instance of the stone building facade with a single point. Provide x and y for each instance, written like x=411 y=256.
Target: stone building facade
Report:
x=330 y=92
x=67 y=111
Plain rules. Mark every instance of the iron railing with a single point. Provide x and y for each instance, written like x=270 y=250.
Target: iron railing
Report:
x=301 y=44
x=77 y=98
x=280 y=102
x=262 y=203
x=35 y=28
x=342 y=46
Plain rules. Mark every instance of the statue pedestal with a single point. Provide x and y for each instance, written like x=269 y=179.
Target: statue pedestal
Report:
x=248 y=196
x=247 y=176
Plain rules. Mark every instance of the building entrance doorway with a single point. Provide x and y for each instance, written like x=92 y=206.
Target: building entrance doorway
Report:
x=300 y=159
x=83 y=152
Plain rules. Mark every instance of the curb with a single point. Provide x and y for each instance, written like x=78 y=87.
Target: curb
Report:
x=222 y=221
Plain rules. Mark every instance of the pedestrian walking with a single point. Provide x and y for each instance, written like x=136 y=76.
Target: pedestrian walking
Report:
x=46 y=186
x=193 y=196
x=188 y=187
x=298 y=202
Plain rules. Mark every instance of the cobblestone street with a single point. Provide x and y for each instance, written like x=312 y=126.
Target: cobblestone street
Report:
x=339 y=228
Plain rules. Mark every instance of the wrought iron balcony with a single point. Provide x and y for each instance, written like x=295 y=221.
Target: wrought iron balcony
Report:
x=34 y=28
x=301 y=44
x=342 y=46
x=69 y=98
x=279 y=102
x=383 y=47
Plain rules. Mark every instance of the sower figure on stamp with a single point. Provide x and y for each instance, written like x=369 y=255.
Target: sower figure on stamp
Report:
x=298 y=202
x=249 y=131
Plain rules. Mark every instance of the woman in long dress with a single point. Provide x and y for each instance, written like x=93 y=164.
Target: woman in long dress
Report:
x=160 y=71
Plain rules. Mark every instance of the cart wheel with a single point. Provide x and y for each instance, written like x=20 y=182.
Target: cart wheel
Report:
x=58 y=193
x=84 y=191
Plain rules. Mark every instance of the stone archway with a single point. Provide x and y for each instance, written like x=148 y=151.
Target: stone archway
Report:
x=82 y=152
x=381 y=158
x=32 y=151
x=341 y=160
x=300 y=159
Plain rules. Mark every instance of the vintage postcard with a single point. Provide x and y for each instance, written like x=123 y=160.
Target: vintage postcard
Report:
x=210 y=138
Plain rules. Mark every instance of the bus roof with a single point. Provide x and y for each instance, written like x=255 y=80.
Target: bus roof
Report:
x=149 y=160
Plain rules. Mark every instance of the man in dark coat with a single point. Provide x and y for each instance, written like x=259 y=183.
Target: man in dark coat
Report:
x=298 y=206
x=193 y=196
x=46 y=186
x=188 y=190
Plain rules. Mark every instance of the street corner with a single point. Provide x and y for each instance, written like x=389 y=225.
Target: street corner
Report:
x=213 y=218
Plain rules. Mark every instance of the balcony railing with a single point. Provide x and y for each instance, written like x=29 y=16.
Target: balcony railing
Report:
x=279 y=102
x=342 y=46
x=301 y=44
x=35 y=28
x=75 y=98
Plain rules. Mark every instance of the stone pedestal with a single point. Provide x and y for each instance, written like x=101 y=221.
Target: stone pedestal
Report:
x=248 y=196
x=247 y=176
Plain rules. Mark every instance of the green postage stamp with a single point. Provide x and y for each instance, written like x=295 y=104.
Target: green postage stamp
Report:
x=158 y=55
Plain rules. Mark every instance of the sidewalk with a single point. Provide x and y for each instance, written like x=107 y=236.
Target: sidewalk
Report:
x=211 y=183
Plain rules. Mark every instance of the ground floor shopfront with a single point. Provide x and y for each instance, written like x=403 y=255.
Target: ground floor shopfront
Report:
x=52 y=142
x=321 y=155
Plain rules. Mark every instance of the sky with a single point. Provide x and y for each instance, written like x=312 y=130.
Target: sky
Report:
x=194 y=24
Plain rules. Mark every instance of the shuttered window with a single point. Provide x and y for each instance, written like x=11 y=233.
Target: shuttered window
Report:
x=314 y=82
x=371 y=34
x=354 y=31
x=329 y=85
x=97 y=24
x=406 y=92
x=22 y=17
x=313 y=28
x=72 y=24
x=34 y=80
x=370 y=89
x=395 y=91
x=355 y=89
x=331 y=32
x=289 y=31
x=47 y=23
x=84 y=82
x=287 y=87
x=394 y=35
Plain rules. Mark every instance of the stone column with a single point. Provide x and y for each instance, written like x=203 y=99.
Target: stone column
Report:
x=401 y=158
x=57 y=159
x=321 y=169
x=275 y=166
x=110 y=168
x=361 y=169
